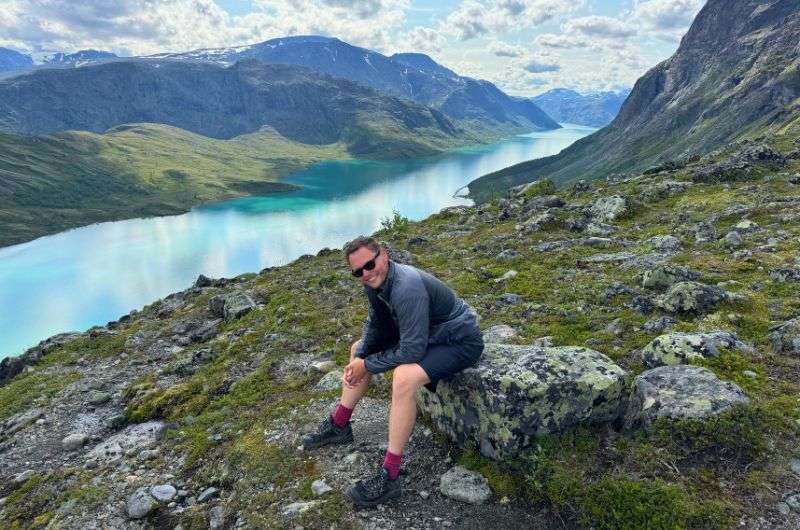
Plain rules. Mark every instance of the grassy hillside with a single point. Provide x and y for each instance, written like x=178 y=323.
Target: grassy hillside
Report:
x=70 y=179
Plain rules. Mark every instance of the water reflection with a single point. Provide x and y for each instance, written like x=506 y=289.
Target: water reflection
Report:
x=94 y=274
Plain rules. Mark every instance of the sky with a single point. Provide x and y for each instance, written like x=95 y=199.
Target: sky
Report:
x=524 y=46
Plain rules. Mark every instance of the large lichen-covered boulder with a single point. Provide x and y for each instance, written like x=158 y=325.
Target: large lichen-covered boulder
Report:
x=231 y=306
x=664 y=276
x=693 y=298
x=681 y=348
x=609 y=208
x=678 y=392
x=785 y=337
x=517 y=392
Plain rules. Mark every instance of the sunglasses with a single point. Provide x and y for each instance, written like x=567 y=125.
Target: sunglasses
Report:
x=368 y=266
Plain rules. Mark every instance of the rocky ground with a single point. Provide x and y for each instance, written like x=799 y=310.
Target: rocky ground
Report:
x=684 y=283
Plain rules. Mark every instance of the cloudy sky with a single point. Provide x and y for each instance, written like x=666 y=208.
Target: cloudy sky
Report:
x=525 y=46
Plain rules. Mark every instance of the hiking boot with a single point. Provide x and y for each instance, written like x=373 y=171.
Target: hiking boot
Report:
x=328 y=433
x=376 y=490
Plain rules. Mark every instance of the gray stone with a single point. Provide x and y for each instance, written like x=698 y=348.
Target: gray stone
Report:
x=324 y=367
x=208 y=494
x=596 y=228
x=660 y=324
x=681 y=348
x=795 y=465
x=692 y=298
x=515 y=393
x=749 y=374
x=704 y=232
x=664 y=276
x=785 y=337
x=23 y=477
x=507 y=276
x=499 y=333
x=464 y=485
x=508 y=255
x=297 y=508
x=133 y=438
x=794 y=502
x=163 y=493
x=319 y=487
x=609 y=208
x=74 y=441
x=97 y=397
x=785 y=275
x=231 y=306
x=746 y=226
x=330 y=381
x=216 y=517
x=507 y=299
x=664 y=243
x=677 y=392
x=732 y=239
x=616 y=257
x=140 y=504
x=19 y=421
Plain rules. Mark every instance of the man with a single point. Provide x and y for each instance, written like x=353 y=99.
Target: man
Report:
x=416 y=326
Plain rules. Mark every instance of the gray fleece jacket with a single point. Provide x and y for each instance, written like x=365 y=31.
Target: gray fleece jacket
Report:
x=409 y=311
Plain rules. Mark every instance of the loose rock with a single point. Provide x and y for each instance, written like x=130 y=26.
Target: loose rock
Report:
x=464 y=485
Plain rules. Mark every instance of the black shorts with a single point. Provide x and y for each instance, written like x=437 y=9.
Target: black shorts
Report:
x=443 y=361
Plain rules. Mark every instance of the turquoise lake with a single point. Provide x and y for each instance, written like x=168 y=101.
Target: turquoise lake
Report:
x=91 y=275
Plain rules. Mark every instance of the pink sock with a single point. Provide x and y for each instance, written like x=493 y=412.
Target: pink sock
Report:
x=391 y=463
x=342 y=415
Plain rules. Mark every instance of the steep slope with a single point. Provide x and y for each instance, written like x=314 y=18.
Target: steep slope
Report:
x=596 y=109
x=734 y=74
x=412 y=76
x=219 y=102
x=12 y=61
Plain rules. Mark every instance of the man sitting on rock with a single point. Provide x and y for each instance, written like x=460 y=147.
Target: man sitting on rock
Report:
x=416 y=326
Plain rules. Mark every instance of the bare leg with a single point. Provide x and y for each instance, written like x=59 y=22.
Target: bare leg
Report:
x=352 y=395
x=408 y=378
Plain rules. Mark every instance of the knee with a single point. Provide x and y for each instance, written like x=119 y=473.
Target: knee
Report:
x=353 y=348
x=406 y=380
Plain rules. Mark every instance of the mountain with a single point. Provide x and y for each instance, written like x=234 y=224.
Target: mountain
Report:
x=223 y=102
x=595 y=109
x=76 y=59
x=12 y=61
x=734 y=74
x=412 y=76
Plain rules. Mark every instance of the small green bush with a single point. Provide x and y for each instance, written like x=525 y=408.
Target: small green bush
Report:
x=396 y=223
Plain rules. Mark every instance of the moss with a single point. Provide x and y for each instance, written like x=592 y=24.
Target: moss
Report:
x=541 y=187
x=501 y=478
x=27 y=506
x=32 y=389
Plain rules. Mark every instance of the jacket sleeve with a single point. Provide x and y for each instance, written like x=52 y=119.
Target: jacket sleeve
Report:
x=369 y=336
x=411 y=309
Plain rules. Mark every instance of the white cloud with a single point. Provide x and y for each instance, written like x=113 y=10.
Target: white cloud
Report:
x=476 y=18
x=539 y=63
x=667 y=19
x=149 y=26
x=422 y=39
x=562 y=41
x=503 y=49
x=602 y=27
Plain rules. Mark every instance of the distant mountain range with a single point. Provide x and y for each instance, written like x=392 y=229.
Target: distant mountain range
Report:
x=595 y=109
x=15 y=62
x=736 y=73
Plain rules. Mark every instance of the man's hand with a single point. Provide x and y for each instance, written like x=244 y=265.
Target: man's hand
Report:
x=354 y=372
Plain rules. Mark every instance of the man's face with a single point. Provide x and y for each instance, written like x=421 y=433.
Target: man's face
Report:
x=376 y=276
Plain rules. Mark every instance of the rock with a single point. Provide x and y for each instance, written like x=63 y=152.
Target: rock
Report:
x=691 y=298
x=664 y=243
x=785 y=338
x=208 y=494
x=297 y=508
x=133 y=438
x=507 y=276
x=793 y=501
x=507 y=299
x=508 y=255
x=677 y=392
x=681 y=348
x=732 y=239
x=609 y=208
x=746 y=226
x=23 y=477
x=216 y=517
x=616 y=327
x=400 y=256
x=231 y=306
x=319 y=487
x=140 y=504
x=97 y=397
x=785 y=275
x=499 y=333
x=74 y=441
x=517 y=392
x=19 y=421
x=616 y=257
x=749 y=374
x=203 y=281
x=795 y=465
x=163 y=493
x=664 y=276
x=596 y=228
x=324 y=367
x=464 y=485
x=704 y=232
x=330 y=381
x=543 y=342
